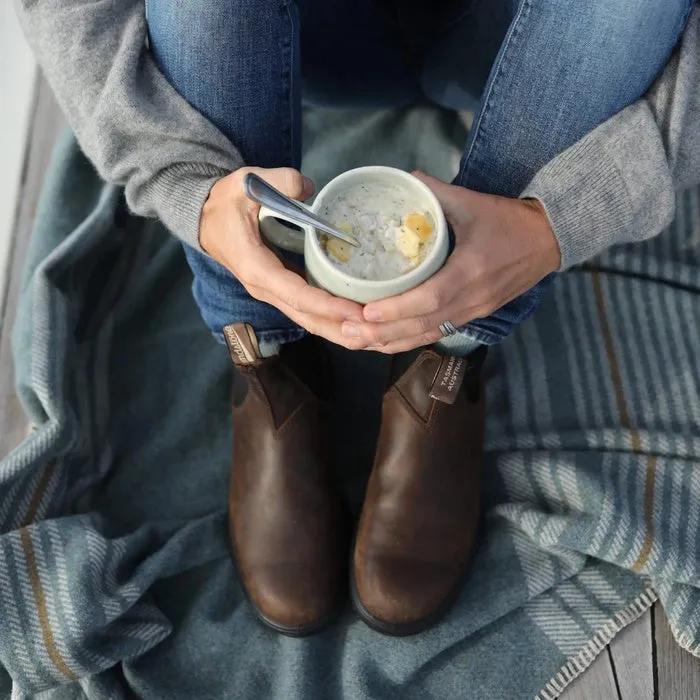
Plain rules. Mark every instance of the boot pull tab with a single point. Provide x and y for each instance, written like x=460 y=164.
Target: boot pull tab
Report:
x=242 y=344
x=448 y=379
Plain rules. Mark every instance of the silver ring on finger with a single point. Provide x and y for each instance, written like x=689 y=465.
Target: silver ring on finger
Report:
x=448 y=328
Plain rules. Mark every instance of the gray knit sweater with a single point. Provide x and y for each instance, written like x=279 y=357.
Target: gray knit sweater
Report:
x=615 y=185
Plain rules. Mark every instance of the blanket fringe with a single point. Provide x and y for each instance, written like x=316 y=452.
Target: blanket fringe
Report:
x=685 y=641
x=576 y=665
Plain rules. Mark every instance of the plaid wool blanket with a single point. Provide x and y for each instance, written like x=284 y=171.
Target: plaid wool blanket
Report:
x=115 y=579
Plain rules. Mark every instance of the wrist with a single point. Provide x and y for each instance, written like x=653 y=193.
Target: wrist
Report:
x=544 y=238
x=202 y=234
x=208 y=216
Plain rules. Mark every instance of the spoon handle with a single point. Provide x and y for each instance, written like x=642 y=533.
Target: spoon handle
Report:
x=266 y=195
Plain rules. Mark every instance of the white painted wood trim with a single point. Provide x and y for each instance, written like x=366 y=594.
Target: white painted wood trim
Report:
x=17 y=90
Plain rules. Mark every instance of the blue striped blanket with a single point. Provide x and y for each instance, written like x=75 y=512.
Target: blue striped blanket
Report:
x=114 y=576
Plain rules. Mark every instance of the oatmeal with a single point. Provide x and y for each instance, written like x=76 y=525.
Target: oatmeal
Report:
x=394 y=235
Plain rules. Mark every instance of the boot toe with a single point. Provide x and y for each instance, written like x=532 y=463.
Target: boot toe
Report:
x=294 y=599
x=403 y=596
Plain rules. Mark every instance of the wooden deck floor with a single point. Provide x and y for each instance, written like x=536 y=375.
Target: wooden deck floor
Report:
x=642 y=663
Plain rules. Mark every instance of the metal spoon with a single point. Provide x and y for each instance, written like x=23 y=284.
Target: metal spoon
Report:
x=266 y=195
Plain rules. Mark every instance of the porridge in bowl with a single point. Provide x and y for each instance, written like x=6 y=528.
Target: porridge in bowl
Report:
x=395 y=235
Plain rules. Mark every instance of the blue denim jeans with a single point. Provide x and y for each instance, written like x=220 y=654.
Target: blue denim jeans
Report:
x=539 y=74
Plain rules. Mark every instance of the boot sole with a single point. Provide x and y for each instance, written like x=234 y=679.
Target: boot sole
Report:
x=294 y=632
x=409 y=629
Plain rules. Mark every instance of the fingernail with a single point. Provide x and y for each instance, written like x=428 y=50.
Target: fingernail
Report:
x=350 y=331
x=308 y=183
x=354 y=319
x=373 y=316
x=374 y=346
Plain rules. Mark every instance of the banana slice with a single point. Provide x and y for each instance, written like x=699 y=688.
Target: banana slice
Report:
x=407 y=242
x=420 y=225
x=340 y=250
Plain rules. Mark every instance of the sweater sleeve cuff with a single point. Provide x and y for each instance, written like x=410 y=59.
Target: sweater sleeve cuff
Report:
x=177 y=194
x=613 y=186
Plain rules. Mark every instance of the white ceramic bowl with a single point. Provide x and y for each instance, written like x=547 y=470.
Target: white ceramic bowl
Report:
x=321 y=272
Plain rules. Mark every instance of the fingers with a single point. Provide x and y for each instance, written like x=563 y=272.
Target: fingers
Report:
x=316 y=325
x=406 y=344
x=440 y=188
x=428 y=299
x=287 y=180
x=425 y=329
x=293 y=291
x=453 y=198
x=330 y=330
x=265 y=271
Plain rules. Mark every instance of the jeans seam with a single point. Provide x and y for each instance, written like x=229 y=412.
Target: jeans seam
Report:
x=514 y=29
x=480 y=336
x=684 y=24
x=288 y=82
x=289 y=335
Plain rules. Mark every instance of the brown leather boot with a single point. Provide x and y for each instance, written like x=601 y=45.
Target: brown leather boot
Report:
x=289 y=532
x=420 y=518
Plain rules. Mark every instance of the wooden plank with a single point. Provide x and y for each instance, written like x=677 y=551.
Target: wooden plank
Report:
x=596 y=683
x=678 y=672
x=632 y=662
x=47 y=123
